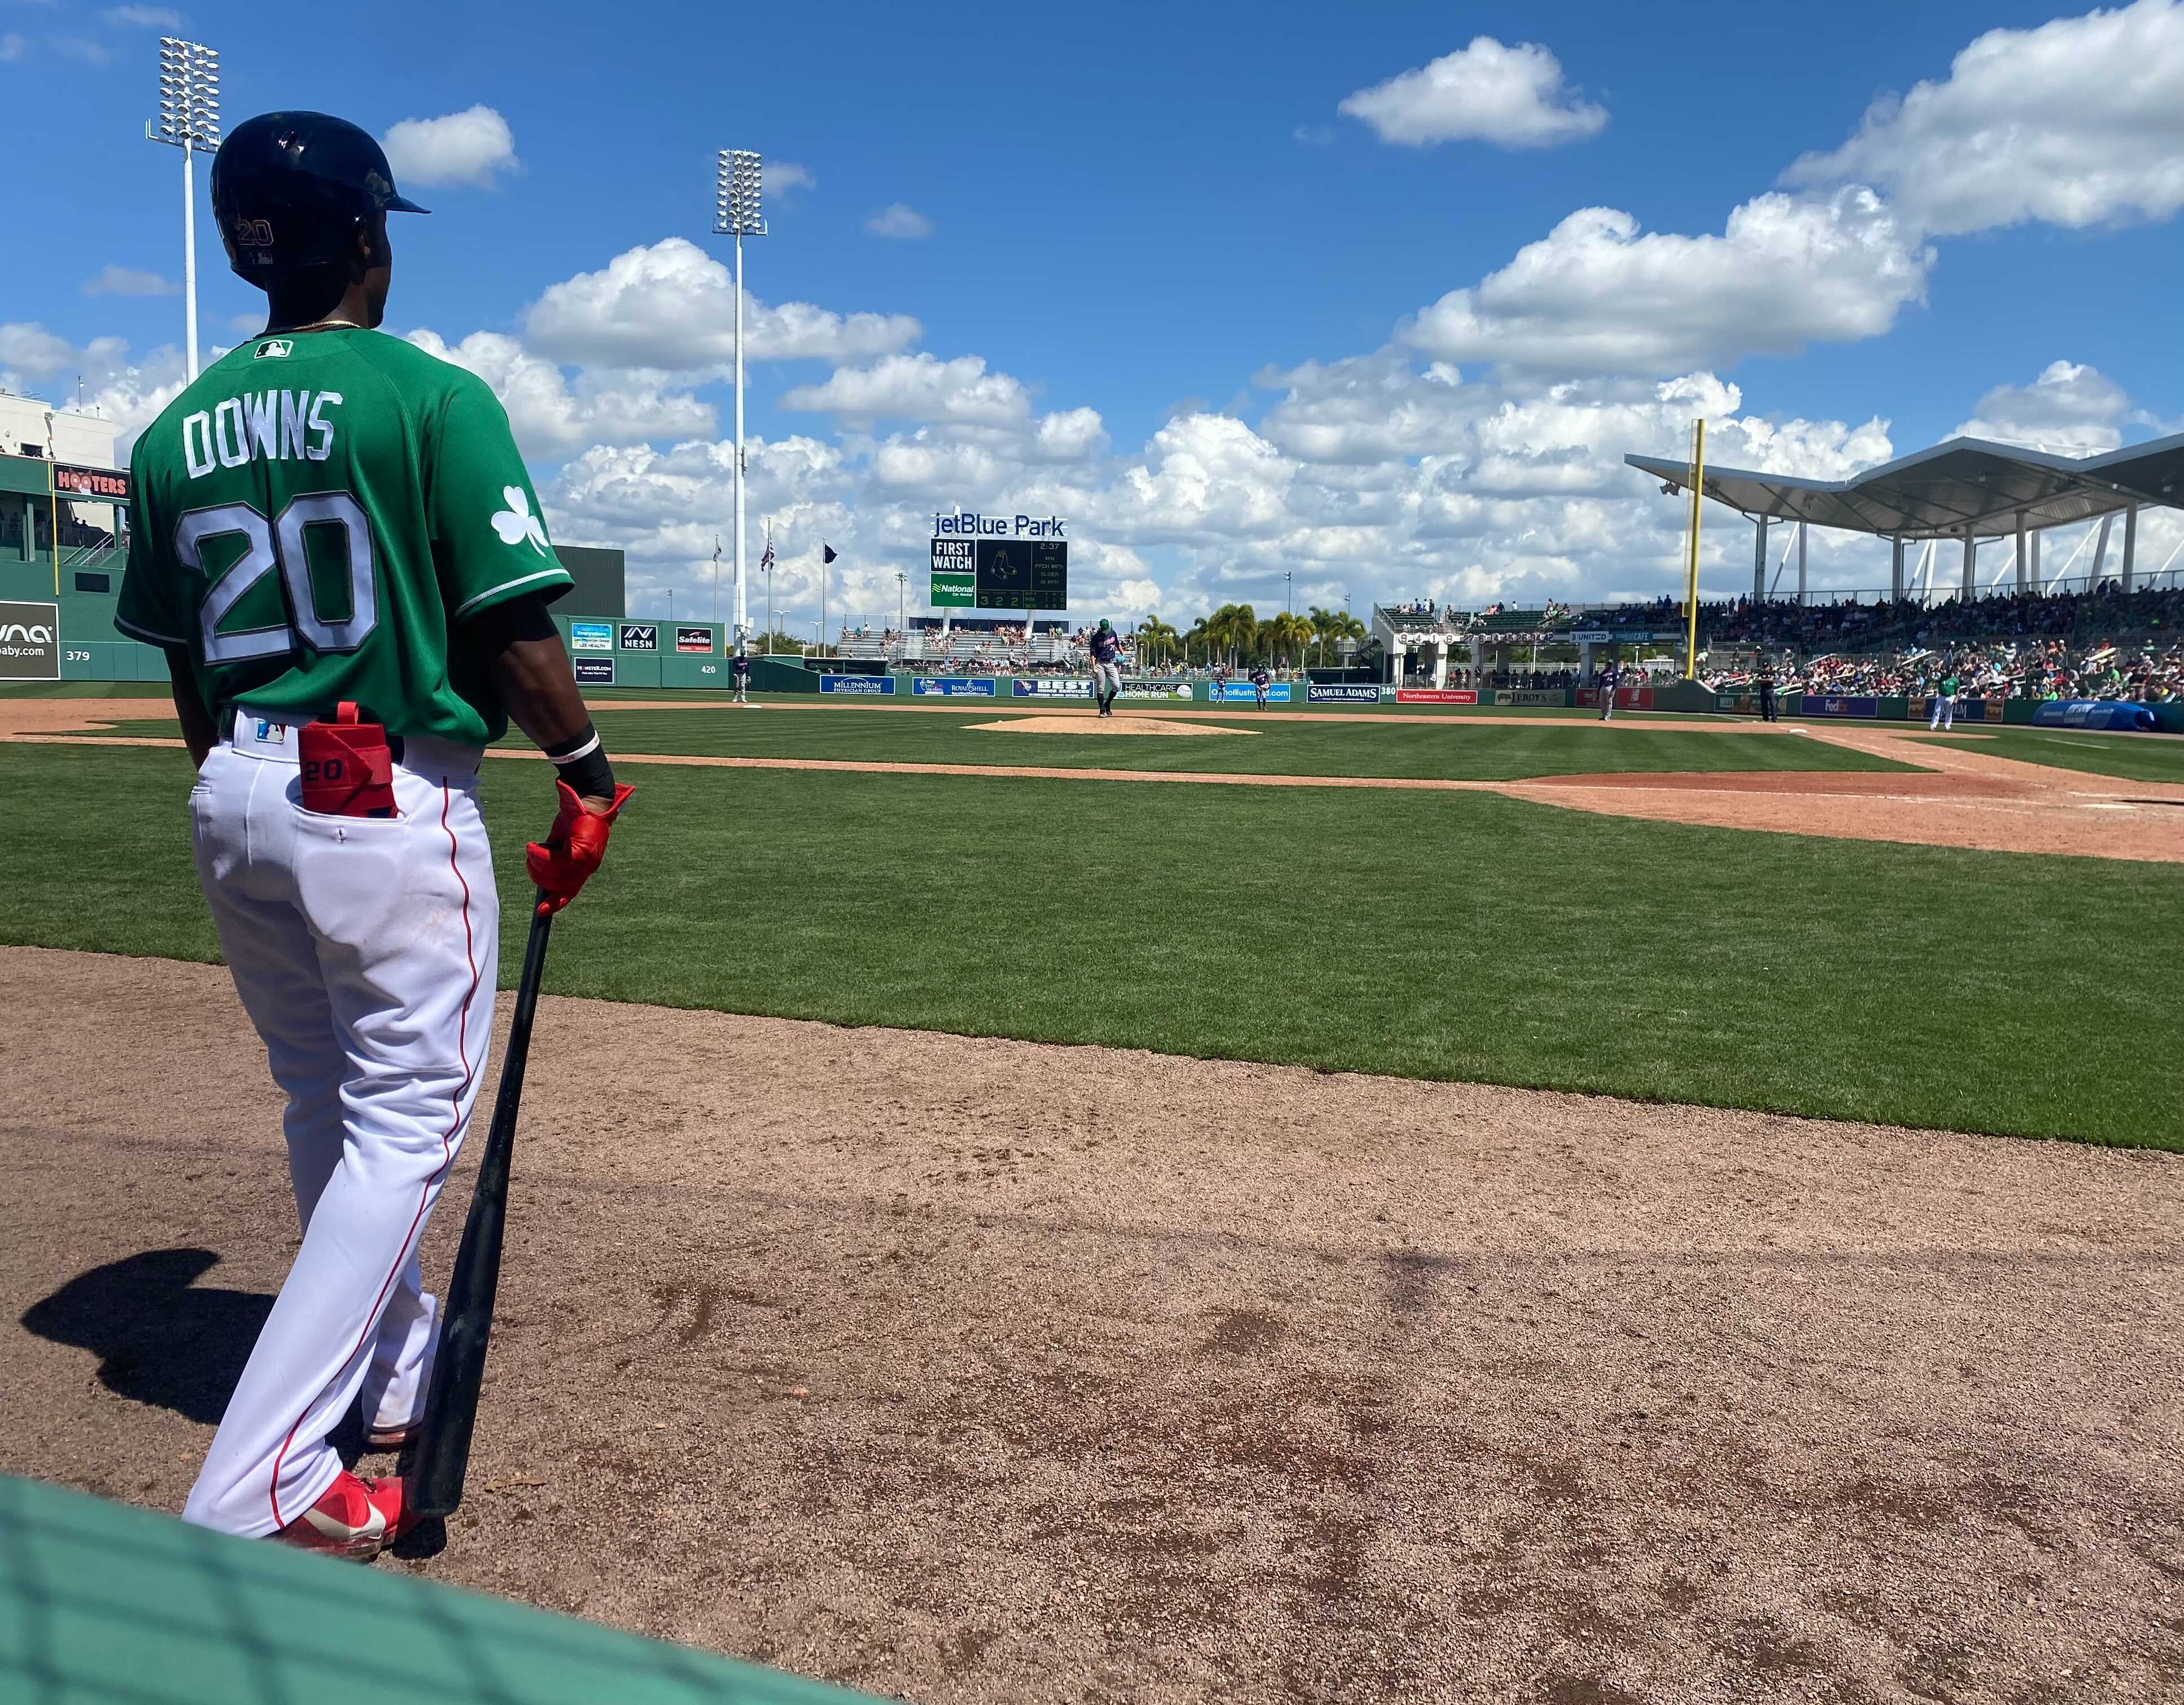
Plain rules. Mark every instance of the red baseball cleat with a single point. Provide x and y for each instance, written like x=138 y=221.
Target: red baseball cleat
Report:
x=356 y=1518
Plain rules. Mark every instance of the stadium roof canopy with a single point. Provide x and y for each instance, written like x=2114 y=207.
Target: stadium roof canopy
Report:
x=1966 y=485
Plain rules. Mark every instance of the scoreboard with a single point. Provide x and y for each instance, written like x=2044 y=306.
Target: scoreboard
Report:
x=1000 y=573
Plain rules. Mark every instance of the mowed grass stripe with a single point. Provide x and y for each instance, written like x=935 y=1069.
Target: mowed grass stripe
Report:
x=1464 y=936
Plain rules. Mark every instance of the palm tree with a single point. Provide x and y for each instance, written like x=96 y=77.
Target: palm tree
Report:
x=1234 y=628
x=1324 y=623
x=1283 y=637
x=1337 y=625
x=1155 y=637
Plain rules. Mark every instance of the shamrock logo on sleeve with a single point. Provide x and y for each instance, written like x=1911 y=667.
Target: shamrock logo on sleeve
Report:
x=516 y=522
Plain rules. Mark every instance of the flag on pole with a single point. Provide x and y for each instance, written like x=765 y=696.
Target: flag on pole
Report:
x=767 y=560
x=827 y=550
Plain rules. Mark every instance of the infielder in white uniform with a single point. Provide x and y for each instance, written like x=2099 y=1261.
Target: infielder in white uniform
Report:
x=335 y=544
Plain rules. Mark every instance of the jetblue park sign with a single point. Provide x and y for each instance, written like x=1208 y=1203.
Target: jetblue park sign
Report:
x=965 y=524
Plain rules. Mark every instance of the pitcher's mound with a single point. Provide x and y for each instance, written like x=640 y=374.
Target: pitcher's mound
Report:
x=1105 y=725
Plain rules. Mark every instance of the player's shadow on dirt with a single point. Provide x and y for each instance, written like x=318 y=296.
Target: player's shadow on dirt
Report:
x=160 y=1339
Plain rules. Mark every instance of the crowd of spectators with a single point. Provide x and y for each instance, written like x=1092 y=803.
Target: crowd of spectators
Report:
x=2137 y=673
x=2105 y=644
x=2107 y=613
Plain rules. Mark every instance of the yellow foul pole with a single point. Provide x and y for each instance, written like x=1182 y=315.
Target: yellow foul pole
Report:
x=53 y=498
x=1692 y=571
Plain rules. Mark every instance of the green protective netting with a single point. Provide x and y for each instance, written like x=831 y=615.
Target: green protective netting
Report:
x=99 y=1601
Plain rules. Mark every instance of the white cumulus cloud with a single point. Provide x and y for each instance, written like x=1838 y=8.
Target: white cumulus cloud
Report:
x=919 y=387
x=671 y=306
x=553 y=418
x=128 y=280
x=1596 y=295
x=27 y=348
x=900 y=220
x=117 y=386
x=471 y=146
x=780 y=177
x=2078 y=122
x=1484 y=92
x=2071 y=408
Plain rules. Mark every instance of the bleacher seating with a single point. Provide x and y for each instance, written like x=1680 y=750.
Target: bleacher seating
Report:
x=1411 y=618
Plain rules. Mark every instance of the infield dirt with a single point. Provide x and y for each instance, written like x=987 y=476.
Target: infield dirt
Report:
x=985 y=1371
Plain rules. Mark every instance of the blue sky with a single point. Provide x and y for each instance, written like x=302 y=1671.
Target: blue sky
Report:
x=1164 y=216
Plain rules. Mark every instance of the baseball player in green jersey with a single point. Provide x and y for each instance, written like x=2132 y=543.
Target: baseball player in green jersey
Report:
x=1945 y=702
x=335 y=541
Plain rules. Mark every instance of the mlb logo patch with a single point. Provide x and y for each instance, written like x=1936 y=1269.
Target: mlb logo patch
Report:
x=274 y=349
x=272 y=733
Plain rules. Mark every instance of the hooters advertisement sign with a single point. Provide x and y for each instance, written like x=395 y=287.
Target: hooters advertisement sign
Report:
x=90 y=485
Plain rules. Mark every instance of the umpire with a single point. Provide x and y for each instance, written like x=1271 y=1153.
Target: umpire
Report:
x=1767 y=693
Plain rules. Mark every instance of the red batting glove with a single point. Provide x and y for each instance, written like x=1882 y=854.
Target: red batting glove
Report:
x=574 y=846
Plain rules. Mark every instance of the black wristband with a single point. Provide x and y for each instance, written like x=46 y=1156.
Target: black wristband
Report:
x=582 y=764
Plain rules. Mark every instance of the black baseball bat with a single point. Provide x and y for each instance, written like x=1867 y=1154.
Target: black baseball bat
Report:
x=433 y=1483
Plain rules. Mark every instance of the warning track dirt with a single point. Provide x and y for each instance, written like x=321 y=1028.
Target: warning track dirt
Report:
x=936 y=1366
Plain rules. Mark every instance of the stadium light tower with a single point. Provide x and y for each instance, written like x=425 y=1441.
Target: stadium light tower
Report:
x=736 y=214
x=189 y=120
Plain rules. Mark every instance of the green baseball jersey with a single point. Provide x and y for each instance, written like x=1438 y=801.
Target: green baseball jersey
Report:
x=315 y=518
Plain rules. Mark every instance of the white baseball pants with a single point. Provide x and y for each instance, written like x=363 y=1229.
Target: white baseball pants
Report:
x=364 y=952
x=1945 y=712
x=1106 y=678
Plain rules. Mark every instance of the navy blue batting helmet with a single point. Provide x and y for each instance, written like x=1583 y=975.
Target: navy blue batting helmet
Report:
x=291 y=190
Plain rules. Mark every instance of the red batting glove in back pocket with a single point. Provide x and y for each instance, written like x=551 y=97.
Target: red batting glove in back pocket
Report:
x=347 y=771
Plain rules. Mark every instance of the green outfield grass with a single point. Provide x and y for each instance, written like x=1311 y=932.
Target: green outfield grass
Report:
x=1462 y=936
x=2134 y=757
x=1285 y=746
x=1292 y=747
